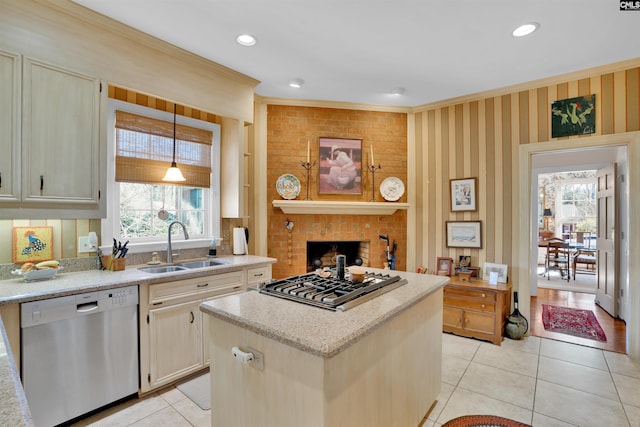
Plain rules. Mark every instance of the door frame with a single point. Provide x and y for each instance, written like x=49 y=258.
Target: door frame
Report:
x=523 y=209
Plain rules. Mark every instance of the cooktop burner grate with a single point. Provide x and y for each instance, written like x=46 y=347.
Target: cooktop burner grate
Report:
x=329 y=292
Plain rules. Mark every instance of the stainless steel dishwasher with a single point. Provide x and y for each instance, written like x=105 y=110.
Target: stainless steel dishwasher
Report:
x=79 y=353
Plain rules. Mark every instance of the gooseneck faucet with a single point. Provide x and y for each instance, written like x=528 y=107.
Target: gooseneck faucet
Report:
x=169 y=250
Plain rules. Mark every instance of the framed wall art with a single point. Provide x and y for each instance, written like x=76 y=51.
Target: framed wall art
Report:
x=444 y=266
x=464 y=234
x=32 y=244
x=573 y=116
x=340 y=166
x=463 y=195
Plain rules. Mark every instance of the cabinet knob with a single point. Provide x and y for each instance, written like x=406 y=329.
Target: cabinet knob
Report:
x=483 y=295
x=193 y=318
x=483 y=306
x=203 y=285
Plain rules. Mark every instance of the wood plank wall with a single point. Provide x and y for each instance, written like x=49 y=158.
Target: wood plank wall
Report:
x=480 y=138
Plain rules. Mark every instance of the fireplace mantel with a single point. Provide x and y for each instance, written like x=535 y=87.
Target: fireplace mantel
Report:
x=340 y=208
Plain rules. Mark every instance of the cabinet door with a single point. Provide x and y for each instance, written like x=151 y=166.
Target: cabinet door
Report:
x=9 y=127
x=452 y=317
x=479 y=322
x=60 y=136
x=175 y=342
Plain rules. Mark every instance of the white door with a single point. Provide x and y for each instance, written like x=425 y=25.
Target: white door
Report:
x=607 y=285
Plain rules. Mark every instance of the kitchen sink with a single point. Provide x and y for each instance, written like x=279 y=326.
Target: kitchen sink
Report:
x=163 y=269
x=202 y=263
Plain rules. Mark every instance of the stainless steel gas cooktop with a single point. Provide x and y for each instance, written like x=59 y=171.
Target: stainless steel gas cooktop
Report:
x=330 y=292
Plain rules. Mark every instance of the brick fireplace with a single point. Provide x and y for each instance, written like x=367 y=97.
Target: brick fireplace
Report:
x=290 y=130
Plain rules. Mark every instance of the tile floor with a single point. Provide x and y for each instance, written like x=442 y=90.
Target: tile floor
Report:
x=537 y=381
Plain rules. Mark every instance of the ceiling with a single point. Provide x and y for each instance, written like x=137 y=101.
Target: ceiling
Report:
x=360 y=50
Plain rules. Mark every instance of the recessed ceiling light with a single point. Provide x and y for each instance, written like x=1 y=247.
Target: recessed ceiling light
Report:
x=526 y=29
x=297 y=83
x=398 y=91
x=246 y=40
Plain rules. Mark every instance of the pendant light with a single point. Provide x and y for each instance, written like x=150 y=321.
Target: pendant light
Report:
x=173 y=173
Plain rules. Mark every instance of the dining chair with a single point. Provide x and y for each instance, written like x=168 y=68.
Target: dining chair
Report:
x=557 y=258
x=584 y=256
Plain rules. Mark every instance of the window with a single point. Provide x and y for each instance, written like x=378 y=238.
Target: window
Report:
x=141 y=205
x=577 y=205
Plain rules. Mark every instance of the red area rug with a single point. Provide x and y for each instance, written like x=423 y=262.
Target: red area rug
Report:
x=572 y=321
x=483 y=421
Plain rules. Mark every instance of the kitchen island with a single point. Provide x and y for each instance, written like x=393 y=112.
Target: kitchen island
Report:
x=376 y=364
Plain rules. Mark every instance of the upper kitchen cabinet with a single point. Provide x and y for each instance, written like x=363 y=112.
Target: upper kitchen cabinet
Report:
x=56 y=159
x=9 y=126
x=60 y=135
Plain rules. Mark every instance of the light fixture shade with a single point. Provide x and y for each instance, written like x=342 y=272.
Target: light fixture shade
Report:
x=547 y=212
x=174 y=174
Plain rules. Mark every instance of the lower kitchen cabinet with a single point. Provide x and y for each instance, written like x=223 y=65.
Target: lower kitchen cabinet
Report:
x=175 y=333
x=476 y=309
x=174 y=336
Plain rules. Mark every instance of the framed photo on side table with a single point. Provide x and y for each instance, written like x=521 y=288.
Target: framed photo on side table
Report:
x=444 y=266
x=463 y=195
x=464 y=234
x=501 y=269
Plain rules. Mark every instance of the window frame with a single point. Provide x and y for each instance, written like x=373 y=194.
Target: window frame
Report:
x=211 y=199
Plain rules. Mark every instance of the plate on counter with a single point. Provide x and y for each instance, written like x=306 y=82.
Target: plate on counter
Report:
x=288 y=186
x=392 y=188
x=44 y=274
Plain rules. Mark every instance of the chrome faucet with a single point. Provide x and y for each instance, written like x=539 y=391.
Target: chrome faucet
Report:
x=169 y=251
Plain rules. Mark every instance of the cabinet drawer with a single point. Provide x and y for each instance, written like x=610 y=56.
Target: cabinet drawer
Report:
x=470 y=304
x=192 y=288
x=479 y=294
x=258 y=274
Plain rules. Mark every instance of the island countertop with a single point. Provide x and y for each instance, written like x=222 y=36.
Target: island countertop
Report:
x=318 y=331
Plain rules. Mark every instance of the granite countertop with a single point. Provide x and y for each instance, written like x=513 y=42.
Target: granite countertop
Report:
x=289 y=322
x=14 y=410
x=18 y=291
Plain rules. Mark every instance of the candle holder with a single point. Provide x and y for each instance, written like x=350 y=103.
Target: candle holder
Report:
x=307 y=166
x=373 y=169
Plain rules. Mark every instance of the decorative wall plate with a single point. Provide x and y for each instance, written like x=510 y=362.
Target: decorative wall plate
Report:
x=392 y=188
x=288 y=186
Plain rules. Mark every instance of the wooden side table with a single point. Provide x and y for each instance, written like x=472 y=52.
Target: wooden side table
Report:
x=476 y=309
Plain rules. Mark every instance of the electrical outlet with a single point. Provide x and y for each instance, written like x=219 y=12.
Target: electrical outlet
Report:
x=258 y=358
x=84 y=246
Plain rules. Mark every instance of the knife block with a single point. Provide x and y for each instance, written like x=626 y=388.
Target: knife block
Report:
x=113 y=264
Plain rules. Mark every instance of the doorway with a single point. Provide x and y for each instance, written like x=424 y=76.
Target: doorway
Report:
x=558 y=154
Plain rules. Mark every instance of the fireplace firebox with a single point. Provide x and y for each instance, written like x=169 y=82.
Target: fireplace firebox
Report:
x=322 y=254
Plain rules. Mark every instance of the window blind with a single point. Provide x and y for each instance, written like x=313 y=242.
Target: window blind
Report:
x=144 y=151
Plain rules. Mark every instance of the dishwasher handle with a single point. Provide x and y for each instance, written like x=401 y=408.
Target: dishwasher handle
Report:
x=87 y=307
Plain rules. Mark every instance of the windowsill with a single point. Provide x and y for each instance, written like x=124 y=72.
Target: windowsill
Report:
x=178 y=243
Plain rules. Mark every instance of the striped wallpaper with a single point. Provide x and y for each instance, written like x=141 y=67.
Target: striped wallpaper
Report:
x=480 y=138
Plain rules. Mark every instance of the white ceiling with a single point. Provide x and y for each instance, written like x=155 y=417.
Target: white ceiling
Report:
x=359 y=50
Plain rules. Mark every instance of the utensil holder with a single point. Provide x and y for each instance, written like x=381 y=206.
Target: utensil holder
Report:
x=113 y=264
